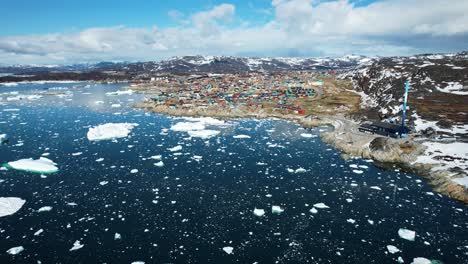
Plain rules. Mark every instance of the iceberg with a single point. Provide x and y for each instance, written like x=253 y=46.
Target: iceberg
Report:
x=10 y=205
x=187 y=126
x=176 y=148
x=44 y=209
x=159 y=164
x=321 y=206
x=15 y=250
x=276 y=209
x=3 y=138
x=77 y=245
x=228 y=249
x=407 y=234
x=205 y=134
x=392 y=249
x=259 y=212
x=313 y=210
x=110 y=131
x=41 y=165
x=128 y=92
x=241 y=136
x=421 y=261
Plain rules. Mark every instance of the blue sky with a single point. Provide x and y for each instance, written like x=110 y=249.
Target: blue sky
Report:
x=60 y=32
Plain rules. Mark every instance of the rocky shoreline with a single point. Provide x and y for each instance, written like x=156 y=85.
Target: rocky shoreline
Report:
x=386 y=152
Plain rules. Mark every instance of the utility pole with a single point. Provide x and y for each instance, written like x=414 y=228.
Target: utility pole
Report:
x=404 y=105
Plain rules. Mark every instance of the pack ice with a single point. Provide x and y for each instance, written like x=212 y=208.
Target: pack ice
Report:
x=110 y=131
x=10 y=205
x=41 y=165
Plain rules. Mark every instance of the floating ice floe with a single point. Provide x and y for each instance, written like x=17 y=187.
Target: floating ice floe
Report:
x=241 y=136
x=187 y=126
x=276 y=209
x=127 y=92
x=421 y=261
x=3 y=138
x=299 y=170
x=321 y=206
x=117 y=236
x=41 y=165
x=228 y=250
x=407 y=234
x=44 y=209
x=259 y=212
x=77 y=245
x=351 y=221
x=159 y=164
x=38 y=232
x=313 y=210
x=358 y=171
x=392 y=249
x=176 y=148
x=205 y=134
x=15 y=250
x=376 y=188
x=10 y=205
x=110 y=131
x=133 y=171
x=156 y=157
x=307 y=135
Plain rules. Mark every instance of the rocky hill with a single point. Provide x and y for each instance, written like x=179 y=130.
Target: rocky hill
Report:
x=438 y=97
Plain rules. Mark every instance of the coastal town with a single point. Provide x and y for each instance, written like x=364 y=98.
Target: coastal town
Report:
x=301 y=93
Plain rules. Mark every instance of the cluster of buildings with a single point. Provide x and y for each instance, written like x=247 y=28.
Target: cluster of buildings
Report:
x=277 y=90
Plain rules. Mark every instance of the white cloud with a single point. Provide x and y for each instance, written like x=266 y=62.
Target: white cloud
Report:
x=298 y=28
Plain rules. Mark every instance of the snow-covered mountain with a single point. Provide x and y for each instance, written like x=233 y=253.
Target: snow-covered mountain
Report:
x=214 y=64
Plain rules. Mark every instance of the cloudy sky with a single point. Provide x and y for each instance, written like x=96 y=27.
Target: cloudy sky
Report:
x=61 y=32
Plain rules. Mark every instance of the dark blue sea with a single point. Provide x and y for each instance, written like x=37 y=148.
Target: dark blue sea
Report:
x=122 y=208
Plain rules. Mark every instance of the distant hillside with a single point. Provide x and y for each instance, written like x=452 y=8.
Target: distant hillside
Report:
x=438 y=96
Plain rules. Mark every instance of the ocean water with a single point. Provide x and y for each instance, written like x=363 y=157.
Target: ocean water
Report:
x=122 y=208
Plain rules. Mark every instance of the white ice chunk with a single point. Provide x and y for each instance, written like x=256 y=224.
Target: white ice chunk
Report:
x=321 y=206
x=10 y=205
x=159 y=164
x=307 y=135
x=313 y=210
x=421 y=261
x=127 y=92
x=176 y=148
x=259 y=212
x=407 y=234
x=276 y=209
x=41 y=165
x=205 y=134
x=241 y=136
x=351 y=221
x=376 y=188
x=117 y=236
x=156 y=157
x=228 y=249
x=77 y=245
x=15 y=250
x=44 y=209
x=392 y=249
x=187 y=126
x=110 y=131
